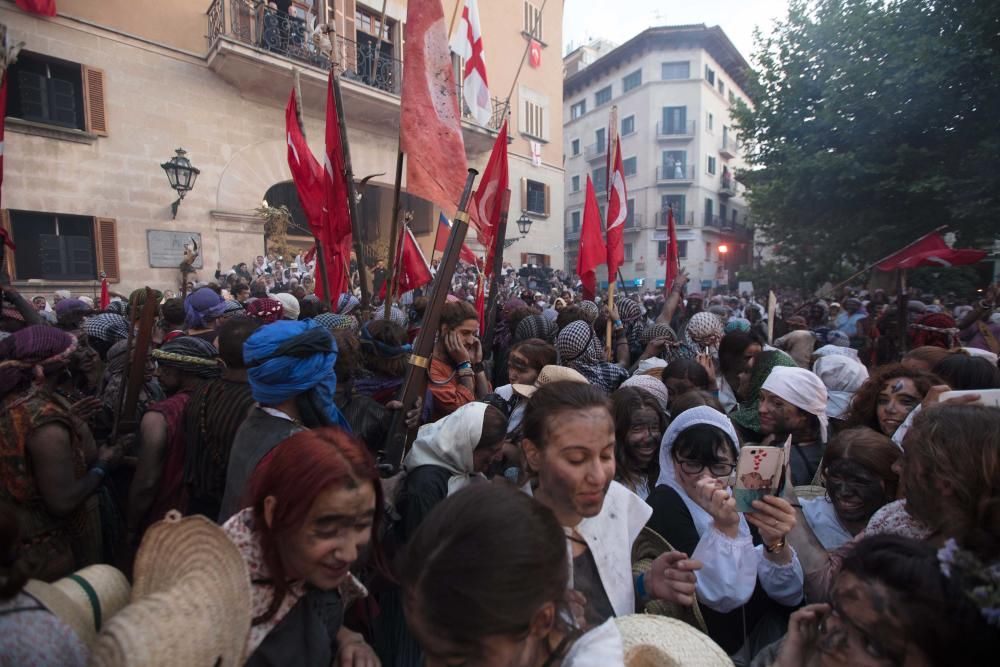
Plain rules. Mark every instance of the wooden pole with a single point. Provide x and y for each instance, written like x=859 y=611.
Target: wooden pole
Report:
x=491 y=304
x=378 y=47
x=394 y=233
x=419 y=365
x=125 y=421
x=352 y=202
x=320 y=256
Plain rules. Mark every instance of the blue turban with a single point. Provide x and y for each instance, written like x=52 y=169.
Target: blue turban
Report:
x=202 y=305
x=737 y=324
x=288 y=358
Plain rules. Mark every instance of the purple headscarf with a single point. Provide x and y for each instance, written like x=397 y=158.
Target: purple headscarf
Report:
x=201 y=305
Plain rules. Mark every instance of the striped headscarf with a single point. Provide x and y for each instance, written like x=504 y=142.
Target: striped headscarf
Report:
x=347 y=303
x=536 y=326
x=336 y=322
x=190 y=355
x=578 y=349
x=590 y=311
x=107 y=327
x=396 y=315
x=34 y=347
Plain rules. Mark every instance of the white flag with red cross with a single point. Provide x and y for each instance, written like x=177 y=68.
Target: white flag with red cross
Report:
x=467 y=42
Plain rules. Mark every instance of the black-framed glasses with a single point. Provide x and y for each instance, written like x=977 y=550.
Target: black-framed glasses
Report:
x=716 y=469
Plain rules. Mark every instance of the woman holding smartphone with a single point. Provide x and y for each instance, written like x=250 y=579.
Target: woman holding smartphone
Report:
x=748 y=573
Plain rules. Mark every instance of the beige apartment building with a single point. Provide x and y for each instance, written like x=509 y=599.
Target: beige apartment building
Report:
x=674 y=88
x=106 y=91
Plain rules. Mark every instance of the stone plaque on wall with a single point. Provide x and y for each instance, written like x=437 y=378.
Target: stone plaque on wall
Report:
x=166 y=249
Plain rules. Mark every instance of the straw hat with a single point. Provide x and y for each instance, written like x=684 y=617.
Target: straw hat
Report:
x=191 y=600
x=646 y=548
x=84 y=600
x=548 y=375
x=658 y=641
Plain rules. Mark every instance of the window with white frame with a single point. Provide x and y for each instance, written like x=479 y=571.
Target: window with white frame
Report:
x=710 y=164
x=678 y=70
x=534 y=120
x=578 y=109
x=633 y=80
x=629 y=166
x=574 y=221
x=628 y=125
x=574 y=184
x=574 y=147
x=602 y=96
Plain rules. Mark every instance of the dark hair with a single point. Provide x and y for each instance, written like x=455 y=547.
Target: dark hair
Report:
x=734 y=344
x=538 y=353
x=928 y=354
x=454 y=313
x=937 y=614
x=494 y=427
x=963 y=371
x=956 y=445
x=173 y=313
x=258 y=289
x=694 y=399
x=468 y=580
x=871 y=448
x=865 y=401
x=308 y=308
x=568 y=315
x=232 y=334
x=392 y=335
x=240 y=287
x=348 y=355
x=554 y=399
x=701 y=442
x=625 y=402
x=686 y=369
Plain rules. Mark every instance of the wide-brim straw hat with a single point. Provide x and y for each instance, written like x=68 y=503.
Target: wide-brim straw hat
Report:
x=191 y=601
x=84 y=600
x=548 y=375
x=658 y=641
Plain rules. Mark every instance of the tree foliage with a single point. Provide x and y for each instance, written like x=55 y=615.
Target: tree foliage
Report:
x=875 y=122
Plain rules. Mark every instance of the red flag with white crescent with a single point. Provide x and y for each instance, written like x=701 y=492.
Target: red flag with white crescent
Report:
x=617 y=214
x=487 y=202
x=307 y=174
x=430 y=120
x=592 y=250
x=337 y=218
x=413 y=270
x=673 y=260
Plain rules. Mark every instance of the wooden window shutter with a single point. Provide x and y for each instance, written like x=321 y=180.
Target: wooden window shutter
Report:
x=106 y=242
x=524 y=258
x=95 y=110
x=524 y=194
x=10 y=265
x=548 y=198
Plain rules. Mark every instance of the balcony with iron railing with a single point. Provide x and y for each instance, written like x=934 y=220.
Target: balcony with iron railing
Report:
x=727 y=185
x=572 y=234
x=730 y=147
x=675 y=131
x=714 y=221
x=675 y=173
x=633 y=223
x=256 y=48
x=681 y=220
x=595 y=151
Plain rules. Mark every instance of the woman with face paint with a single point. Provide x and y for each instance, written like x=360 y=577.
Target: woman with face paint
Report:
x=748 y=577
x=639 y=425
x=895 y=602
x=859 y=478
x=887 y=398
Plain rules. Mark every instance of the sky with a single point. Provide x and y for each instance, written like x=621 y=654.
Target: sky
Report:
x=619 y=20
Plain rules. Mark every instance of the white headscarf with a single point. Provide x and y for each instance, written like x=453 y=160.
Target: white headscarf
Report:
x=449 y=443
x=802 y=389
x=290 y=304
x=693 y=417
x=828 y=350
x=843 y=376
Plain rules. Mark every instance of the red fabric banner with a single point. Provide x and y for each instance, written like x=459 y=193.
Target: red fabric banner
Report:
x=930 y=250
x=412 y=266
x=617 y=214
x=673 y=261
x=592 y=250
x=431 y=123
x=487 y=202
x=42 y=7
x=105 y=295
x=337 y=222
x=306 y=171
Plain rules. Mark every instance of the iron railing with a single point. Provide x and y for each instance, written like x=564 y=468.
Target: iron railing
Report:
x=684 y=219
x=595 y=151
x=675 y=130
x=675 y=172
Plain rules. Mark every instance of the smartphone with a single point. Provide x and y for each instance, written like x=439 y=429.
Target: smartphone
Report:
x=987 y=397
x=759 y=473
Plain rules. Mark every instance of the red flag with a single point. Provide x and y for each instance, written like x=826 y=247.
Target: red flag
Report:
x=337 y=217
x=441 y=242
x=673 y=260
x=535 y=54
x=487 y=202
x=43 y=7
x=481 y=304
x=3 y=122
x=592 y=250
x=929 y=250
x=105 y=296
x=617 y=213
x=306 y=172
x=413 y=270
x=431 y=126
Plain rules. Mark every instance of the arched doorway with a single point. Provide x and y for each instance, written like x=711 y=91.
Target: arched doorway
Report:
x=300 y=238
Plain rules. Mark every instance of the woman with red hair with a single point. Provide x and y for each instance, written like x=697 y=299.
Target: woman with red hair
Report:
x=313 y=510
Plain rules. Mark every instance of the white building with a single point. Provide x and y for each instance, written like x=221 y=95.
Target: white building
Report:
x=673 y=88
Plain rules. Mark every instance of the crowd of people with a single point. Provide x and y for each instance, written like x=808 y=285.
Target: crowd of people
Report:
x=567 y=499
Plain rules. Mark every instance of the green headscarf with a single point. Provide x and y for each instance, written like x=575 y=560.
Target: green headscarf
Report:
x=747 y=415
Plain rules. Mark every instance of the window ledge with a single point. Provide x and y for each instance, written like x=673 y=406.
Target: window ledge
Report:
x=527 y=35
x=536 y=214
x=58 y=283
x=534 y=138
x=49 y=131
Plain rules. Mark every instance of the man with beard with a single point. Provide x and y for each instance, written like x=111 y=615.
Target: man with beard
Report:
x=569 y=440
x=793 y=403
x=182 y=365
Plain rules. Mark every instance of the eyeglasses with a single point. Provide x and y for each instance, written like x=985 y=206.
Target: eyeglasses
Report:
x=716 y=469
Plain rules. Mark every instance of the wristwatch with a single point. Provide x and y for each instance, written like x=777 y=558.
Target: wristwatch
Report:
x=478 y=368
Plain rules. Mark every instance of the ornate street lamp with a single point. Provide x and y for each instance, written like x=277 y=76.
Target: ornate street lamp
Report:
x=182 y=175
x=523 y=226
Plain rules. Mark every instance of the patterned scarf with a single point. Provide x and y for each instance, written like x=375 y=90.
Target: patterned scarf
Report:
x=578 y=349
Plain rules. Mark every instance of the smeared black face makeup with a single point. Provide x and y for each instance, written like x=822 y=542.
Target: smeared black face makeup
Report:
x=855 y=491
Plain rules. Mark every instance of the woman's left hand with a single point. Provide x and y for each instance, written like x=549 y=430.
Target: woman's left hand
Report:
x=672 y=578
x=354 y=652
x=774 y=518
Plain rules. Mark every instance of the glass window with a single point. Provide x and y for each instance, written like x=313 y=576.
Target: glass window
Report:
x=630 y=213
x=682 y=250
x=601 y=139
x=627 y=252
x=628 y=125
x=710 y=121
x=575 y=184
x=681 y=70
x=710 y=75
x=46 y=90
x=674 y=120
x=675 y=202
x=574 y=218
x=53 y=247
x=578 y=109
x=602 y=96
x=722 y=87
x=629 y=166
x=600 y=178
x=711 y=165
x=633 y=80
x=575 y=147
x=536 y=197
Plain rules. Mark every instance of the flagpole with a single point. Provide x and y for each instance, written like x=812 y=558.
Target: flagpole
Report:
x=491 y=305
x=407 y=219
x=320 y=254
x=394 y=233
x=352 y=202
x=454 y=16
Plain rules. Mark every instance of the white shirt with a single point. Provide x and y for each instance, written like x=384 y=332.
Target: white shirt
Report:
x=822 y=519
